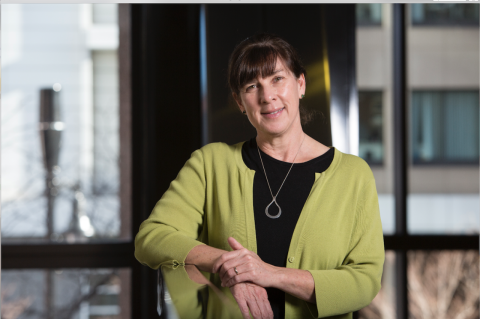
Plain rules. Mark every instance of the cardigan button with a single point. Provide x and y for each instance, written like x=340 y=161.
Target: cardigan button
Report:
x=291 y=259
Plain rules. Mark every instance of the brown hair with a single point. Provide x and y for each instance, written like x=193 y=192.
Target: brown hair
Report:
x=257 y=56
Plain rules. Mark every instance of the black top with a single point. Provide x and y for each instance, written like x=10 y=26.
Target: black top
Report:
x=274 y=235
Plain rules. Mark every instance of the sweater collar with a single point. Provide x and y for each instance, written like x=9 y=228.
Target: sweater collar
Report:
x=242 y=167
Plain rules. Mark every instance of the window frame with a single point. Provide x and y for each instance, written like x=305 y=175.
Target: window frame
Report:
x=436 y=162
x=445 y=24
x=106 y=253
x=401 y=242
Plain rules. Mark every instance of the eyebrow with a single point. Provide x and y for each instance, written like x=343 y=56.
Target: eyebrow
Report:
x=253 y=80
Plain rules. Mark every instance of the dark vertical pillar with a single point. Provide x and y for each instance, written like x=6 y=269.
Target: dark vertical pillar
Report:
x=125 y=76
x=400 y=151
x=340 y=26
x=310 y=35
x=226 y=26
x=166 y=123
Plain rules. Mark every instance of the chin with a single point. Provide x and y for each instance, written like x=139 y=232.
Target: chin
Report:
x=274 y=127
x=274 y=130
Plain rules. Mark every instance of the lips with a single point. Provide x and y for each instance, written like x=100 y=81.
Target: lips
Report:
x=273 y=112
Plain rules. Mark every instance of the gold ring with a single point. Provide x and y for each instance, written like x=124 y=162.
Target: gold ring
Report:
x=236 y=271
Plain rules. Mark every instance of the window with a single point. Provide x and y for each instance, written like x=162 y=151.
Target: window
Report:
x=371 y=126
x=444 y=14
x=430 y=281
x=65 y=293
x=369 y=14
x=61 y=188
x=78 y=199
x=104 y=13
x=434 y=178
x=445 y=127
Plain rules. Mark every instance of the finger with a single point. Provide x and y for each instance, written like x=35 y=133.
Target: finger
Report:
x=253 y=306
x=223 y=258
x=238 y=279
x=242 y=304
x=261 y=298
x=228 y=265
x=236 y=261
x=264 y=304
x=269 y=307
x=230 y=256
x=234 y=243
x=263 y=308
x=229 y=274
x=246 y=272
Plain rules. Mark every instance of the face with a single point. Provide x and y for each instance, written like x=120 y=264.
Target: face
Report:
x=272 y=103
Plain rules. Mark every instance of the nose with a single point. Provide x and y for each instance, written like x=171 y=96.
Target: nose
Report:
x=267 y=94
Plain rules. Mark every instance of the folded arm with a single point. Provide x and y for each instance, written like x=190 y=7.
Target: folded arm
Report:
x=344 y=289
x=250 y=268
x=353 y=285
x=174 y=225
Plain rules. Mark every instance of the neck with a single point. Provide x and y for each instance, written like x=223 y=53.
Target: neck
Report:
x=284 y=147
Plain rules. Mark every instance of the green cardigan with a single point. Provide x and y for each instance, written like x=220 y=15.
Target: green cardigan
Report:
x=338 y=237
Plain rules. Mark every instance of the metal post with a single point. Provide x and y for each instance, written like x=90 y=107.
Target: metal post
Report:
x=400 y=152
x=51 y=127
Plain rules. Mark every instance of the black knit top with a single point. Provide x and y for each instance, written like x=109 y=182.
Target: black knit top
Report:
x=274 y=235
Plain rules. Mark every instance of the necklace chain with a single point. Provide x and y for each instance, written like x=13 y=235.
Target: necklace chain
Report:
x=274 y=198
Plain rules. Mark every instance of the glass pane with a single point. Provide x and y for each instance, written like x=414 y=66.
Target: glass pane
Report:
x=369 y=13
x=373 y=49
x=60 y=124
x=444 y=14
x=445 y=127
x=371 y=126
x=383 y=306
x=443 y=284
x=66 y=293
x=443 y=130
x=104 y=13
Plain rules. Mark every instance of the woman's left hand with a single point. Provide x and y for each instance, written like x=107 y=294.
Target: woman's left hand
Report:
x=249 y=266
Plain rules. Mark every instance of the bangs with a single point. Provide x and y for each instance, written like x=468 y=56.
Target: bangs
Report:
x=258 y=61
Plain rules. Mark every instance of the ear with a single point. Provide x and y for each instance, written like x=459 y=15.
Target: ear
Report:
x=302 y=84
x=238 y=101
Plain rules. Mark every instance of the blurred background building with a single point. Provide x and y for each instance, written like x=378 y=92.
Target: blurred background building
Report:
x=101 y=70
x=70 y=50
x=443 y=80
x=443 y=141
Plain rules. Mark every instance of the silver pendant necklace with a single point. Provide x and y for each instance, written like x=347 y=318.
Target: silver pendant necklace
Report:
x=274 y=198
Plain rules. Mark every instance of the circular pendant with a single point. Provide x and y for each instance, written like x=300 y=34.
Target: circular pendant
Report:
x=279 y=209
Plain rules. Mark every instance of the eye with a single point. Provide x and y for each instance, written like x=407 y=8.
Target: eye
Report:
x=278 y=78
x=251 y=87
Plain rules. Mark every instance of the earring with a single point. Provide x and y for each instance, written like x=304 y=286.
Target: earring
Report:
x=303 y=95
x=244 y=112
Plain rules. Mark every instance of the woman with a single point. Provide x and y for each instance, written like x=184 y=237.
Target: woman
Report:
x=289 y=225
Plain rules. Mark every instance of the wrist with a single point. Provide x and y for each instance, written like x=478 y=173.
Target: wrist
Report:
x=203 y=256
x=278 y=277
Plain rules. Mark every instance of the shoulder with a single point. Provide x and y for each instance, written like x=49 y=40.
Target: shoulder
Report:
x=221 y=157
x=219 y=150
x=354 y=166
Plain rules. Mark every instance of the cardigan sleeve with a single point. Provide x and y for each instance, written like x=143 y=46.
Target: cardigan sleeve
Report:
x=174 y=225
x=355 y=283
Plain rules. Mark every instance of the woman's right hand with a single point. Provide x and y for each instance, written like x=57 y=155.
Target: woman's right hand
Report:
x=254 y=298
